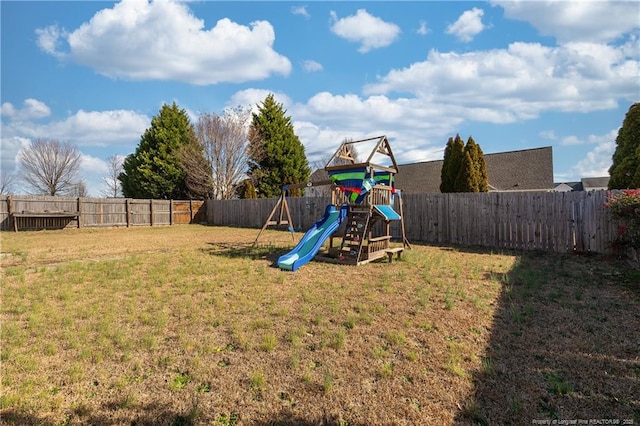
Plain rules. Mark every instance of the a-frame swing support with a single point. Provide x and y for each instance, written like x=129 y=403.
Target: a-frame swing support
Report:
x=284 y=208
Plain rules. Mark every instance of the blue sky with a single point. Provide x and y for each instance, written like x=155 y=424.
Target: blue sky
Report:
x=514 y=75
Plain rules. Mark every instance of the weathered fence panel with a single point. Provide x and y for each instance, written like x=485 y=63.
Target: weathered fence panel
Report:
x=550 y=221
x=96 y=212
x=305 y=211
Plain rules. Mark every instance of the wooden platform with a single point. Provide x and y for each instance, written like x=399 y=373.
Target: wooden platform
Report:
x=333 y=257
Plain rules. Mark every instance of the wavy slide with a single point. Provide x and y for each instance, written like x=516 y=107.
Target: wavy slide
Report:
x=313 y=239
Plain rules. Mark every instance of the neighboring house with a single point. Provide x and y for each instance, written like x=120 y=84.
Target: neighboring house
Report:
x=595 y=183
x=567 y=186
x=585 y=184
x=524 y=170
x=319 y=175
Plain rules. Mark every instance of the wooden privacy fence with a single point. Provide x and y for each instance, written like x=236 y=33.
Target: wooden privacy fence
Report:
x=42 y=212
x=551 y=221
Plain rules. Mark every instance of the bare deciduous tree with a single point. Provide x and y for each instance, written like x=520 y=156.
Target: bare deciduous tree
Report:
x=198 y=181
x=80 y=189
x=224 y=140
x=7 y=179
x=50 y=167
x=113 y=187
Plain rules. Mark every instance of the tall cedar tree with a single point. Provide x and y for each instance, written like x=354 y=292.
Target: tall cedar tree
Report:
x=480 y=182
x=453 y=158
x=276 y=156
x=467 y=179
x=464 y=168
x=156 y=169
x=625 y=170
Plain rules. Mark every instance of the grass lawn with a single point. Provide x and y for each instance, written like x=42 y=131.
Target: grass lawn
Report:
x=185 y=325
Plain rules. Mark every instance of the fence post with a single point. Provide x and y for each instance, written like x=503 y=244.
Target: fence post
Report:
x=127 y=208
x=79 y=212
x=10 y=213
x=170 y=212
x=190 y=210
x=151 y=211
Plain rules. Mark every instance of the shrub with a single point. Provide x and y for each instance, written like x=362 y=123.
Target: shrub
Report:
x=625 y=208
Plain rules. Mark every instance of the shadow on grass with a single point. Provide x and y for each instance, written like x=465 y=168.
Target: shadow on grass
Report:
x=155 y=415
x=564 y=345
x=246 y=251
x=111 y=414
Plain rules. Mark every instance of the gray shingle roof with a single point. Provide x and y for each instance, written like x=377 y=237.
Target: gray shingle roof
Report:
x=590 y=184
x=524 y=170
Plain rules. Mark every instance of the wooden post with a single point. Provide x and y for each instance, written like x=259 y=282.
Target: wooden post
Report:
x=151 y=211
x=190 y=210
x=128 y=211
x=405 y=242
x=170 y=212
x=10 y=212
x=79 y=212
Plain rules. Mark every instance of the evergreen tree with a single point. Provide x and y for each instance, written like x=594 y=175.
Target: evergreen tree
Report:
x=246 y=190
x=464 y=168
x=155 y=170
x=276 y=156
x=475 y=180
x=467 y=179
x=453 y=158
x=625 y=170
x=481 y=167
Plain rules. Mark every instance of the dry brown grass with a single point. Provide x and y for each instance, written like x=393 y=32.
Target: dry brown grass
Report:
x=185 y=325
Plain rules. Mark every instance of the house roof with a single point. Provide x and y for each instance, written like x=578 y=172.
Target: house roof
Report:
x=319 y=175
x=585 y=184
x=523 y=170
x=590 y=184
x=567 y=186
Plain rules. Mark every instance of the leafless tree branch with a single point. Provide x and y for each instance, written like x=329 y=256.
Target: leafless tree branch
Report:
x=50 y=167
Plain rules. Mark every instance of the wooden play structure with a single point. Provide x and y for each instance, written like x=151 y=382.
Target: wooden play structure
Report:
x=357 y=223
x=367 y=185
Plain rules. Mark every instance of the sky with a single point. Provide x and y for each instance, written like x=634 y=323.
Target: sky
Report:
x=511 y=74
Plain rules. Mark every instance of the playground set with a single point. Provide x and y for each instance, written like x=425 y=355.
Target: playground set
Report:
x=357 y=223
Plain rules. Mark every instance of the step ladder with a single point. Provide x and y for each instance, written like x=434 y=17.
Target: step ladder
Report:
x=356 y=231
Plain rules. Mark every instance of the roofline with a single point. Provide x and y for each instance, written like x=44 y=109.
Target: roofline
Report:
x=485 y=155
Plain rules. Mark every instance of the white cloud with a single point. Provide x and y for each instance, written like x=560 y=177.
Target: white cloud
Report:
x=506 y=85
x=605 y=139
x=468 y=25
x=368 y=30
x=592 y=21
x=9 y=150
x=300 y=10
x=250 y=98
x=311 y=66
x=92 y=165
x=84 y=128
x=596 y=163
x=50 y=40
x=163 y=40
x=423 y=29
x=325 y=120
x=7 y=109
x=32 y=109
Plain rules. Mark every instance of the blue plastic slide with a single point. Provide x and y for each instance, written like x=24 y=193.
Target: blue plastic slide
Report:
x=311 y=242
